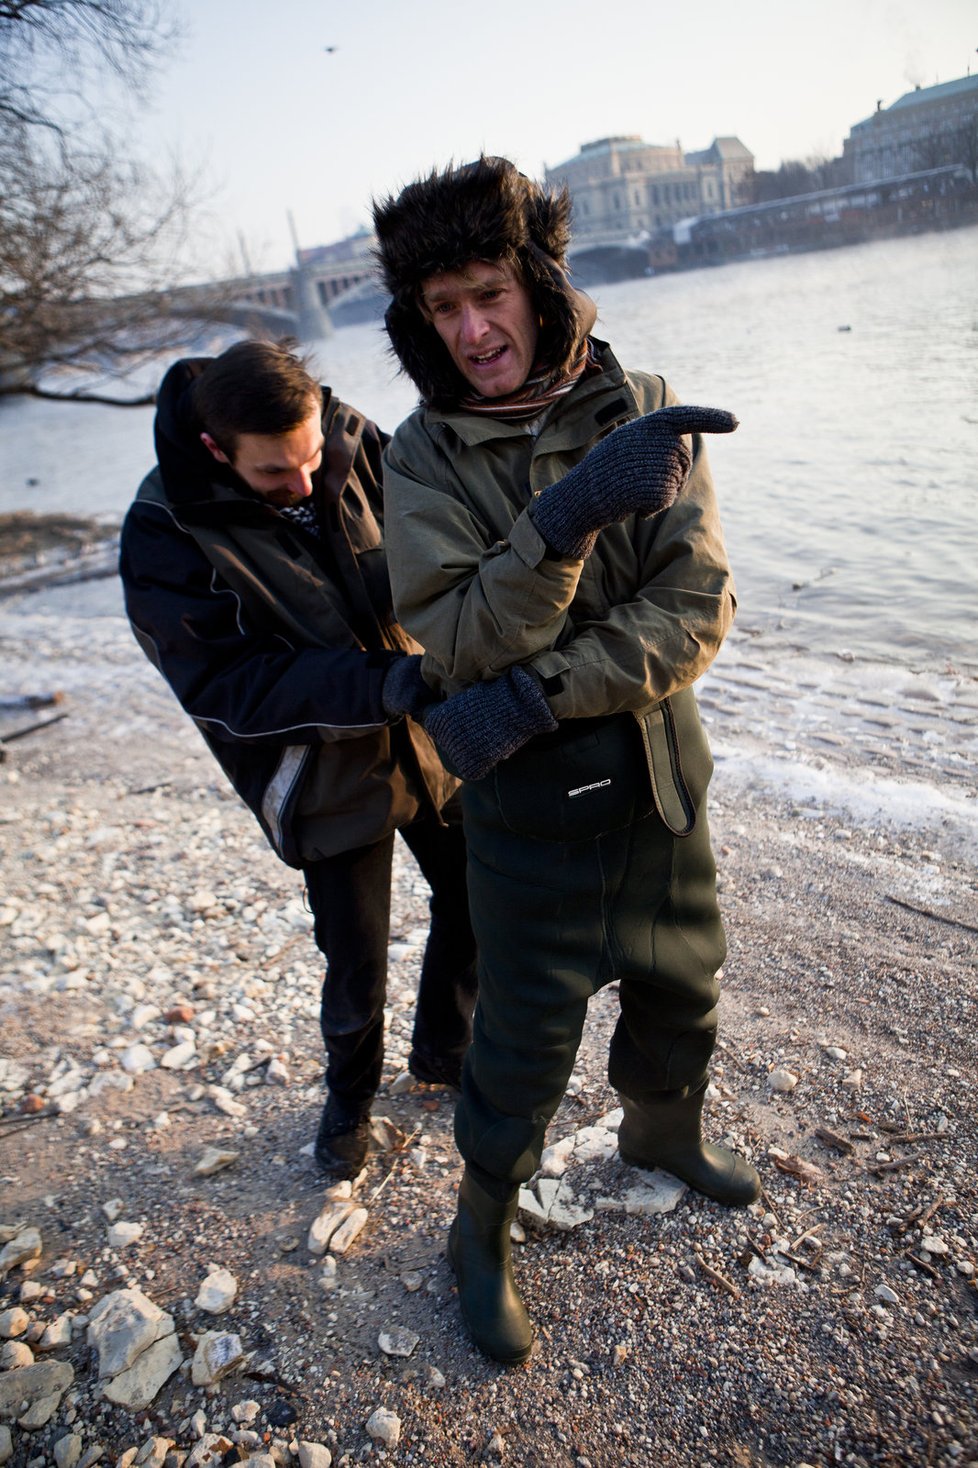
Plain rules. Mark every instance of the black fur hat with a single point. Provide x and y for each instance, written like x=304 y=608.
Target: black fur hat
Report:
x=486 y=210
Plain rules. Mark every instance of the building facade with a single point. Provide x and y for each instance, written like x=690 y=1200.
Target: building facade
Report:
x=929 y=127
x=625 y=189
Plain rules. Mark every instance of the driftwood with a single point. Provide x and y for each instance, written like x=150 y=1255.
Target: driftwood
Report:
x=938 y=917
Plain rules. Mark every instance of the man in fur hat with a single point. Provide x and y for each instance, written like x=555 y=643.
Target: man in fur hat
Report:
x=255 y=580
x=555 y=548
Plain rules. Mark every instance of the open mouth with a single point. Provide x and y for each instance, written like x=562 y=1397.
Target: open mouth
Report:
x=487 y=358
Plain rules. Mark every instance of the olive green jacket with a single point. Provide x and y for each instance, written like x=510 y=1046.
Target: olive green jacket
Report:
x=628 y=629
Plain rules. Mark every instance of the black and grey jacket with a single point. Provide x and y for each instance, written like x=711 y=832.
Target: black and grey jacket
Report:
x=276 y=641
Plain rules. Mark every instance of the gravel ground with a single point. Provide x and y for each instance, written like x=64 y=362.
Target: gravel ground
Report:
x=144 y=923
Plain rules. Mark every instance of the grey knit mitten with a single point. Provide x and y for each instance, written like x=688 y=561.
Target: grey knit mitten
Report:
x=638 y=469
x=404 y=691
x=488 y=722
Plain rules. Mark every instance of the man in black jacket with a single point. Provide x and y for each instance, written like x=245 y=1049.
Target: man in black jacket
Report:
x=255 y=581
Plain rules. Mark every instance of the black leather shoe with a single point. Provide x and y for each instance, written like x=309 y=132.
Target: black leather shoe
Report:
x=666 y=1133
x=342 y=1140
x=436 y=1070
x=479 y=1252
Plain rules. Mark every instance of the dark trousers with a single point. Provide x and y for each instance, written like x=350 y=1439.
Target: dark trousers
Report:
x=555 y=921
x=350 y=897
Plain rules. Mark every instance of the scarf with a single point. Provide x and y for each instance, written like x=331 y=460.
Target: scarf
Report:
x=540 y=389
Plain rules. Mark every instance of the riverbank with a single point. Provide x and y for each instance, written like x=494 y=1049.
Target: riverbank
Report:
x=162 y=1069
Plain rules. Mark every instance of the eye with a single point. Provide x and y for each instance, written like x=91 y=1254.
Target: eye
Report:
x=443 y=308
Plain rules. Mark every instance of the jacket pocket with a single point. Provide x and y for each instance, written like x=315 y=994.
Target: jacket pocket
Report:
x=679 y=759
x=588 y=778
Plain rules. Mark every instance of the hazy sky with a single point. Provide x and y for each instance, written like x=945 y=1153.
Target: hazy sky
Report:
x=277 y=122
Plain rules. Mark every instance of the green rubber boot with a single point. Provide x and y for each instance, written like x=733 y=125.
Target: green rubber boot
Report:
x=479 y=1253
x=666 y=1133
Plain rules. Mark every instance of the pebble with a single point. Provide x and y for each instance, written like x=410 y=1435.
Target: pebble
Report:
x=398 y=1341
x=13 y=1322
x=215 y=1159
x=314 y=1455
x=887 y=1295
x=217 y=1353
x=218 y=1291
x=68 y=1450
x=24 y=1247
x=348 y=1231
x=783 y=1081
x=384 y=1427
x=124 y=1233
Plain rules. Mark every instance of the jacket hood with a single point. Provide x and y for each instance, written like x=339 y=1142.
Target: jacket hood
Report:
x=486 y=210
x=189 y=470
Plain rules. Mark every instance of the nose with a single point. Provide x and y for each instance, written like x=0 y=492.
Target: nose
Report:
x=474 y=324
x=300 y=483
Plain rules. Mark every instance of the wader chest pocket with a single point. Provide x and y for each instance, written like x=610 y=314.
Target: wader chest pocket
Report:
x=589 y=777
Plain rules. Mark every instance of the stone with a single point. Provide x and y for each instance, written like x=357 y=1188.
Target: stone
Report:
x=13 y=1322
x=137 y=1346
x=217 y=1292
x=218 y=1353
x=6 y=1445
x=888 y=1296
x=67 y=1450
x=384 y=1427
x=933 y=1244
x=210 y=1451
x=245 y=1412
x=14 y=1354
x=153 y=1452
x=772 y=1272
x=325 y=1224
x=214 y=1159
x=137 y=1059
x=783 y=1081
x=554 y=1204
x=397 y=1341
x=180 y=1057
x=348 y=1231
x=23 y=1248
x=314 y=1455
x=124 y=1233
x=41 y=1386
x=58 y=1333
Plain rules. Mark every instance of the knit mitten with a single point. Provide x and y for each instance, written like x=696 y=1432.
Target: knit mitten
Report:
x=404 y=690
x=488 y=722
x=638 y=469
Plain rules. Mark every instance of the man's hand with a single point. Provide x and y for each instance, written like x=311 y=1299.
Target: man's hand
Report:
x=488 y=722
x=638 y=469
x=404 y=690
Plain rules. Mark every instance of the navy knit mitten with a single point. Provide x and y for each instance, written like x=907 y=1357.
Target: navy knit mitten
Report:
x=638 y=469
x=488 y=722
x=404 y=690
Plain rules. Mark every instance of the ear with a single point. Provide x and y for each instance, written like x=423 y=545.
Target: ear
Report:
x=218 y=453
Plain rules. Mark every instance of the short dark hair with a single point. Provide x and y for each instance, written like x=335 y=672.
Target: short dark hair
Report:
x=254 y=387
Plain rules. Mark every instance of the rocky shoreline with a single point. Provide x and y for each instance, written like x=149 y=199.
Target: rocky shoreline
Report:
x=177 y=1287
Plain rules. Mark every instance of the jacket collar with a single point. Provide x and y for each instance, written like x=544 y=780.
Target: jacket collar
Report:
x=587 y=397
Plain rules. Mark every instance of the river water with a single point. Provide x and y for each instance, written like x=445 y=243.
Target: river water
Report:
x=849 y=493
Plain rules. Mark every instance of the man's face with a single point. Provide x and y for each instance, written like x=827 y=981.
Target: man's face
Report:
x=485 y=317
x=279 y=466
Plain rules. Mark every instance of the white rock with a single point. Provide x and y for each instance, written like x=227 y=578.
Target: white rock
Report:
x=277 y=1072
x=210 y=1452
x=144 y=1014
x=110 y=1080
x=24 y=1247
x=888 y=1296
x=348 y=1231
x=14 y=1354
x=933 y=1244
x=41 y=1386
x=217 y=1292
x=13 y=1322
x=225 y=1102
x=218 y=1352
x=113 y=1208
x=384 y=1427
x=214 y=1159
x=137 y=1058
x=180 y=1057
x=124 y=1233
x=835 y=1052
x=6 y=1445
x=325 y=1224
x=853 y=1080
x=67 y=1450
x=772 y=1272
x=329 y=1278
x=245 y=1412
x=782 y=1080
x=398 y=1341
x=555 y=1204
x=137 y=1347
x=58 y=1333
x=314 y=1455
